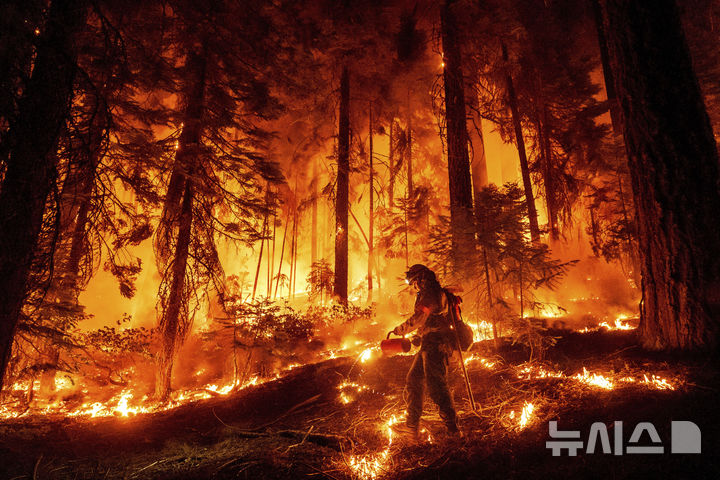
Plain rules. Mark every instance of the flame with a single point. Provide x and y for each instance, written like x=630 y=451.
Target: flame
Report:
x=594 y=380
x=482 y=361
x=482 y=330
x=345 y=397
x=531 y=372
x=126 y=404
x=366 y=355
x=527 y=411
x=619 y=324
x=658 y=382
x=372 y=466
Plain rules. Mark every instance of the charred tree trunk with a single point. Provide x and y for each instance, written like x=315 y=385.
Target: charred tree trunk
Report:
x=371 y=219
x=392 y=168
x=673 y=164
x=457 y=143
x=171 y=325
x=282 y=255
x=340 y=289
x=293 y=267
x=177 y=223
x=613 y=105
x=520 y=142
x=478 y=161
x=478 y=166
x=547 y=172
x=271 y=255
x=260 y=256
x=313 y=246
x=30 y=172
x=408 y=153
x=594 y=231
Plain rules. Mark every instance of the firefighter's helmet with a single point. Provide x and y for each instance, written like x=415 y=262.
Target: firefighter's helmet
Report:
x=418 y=272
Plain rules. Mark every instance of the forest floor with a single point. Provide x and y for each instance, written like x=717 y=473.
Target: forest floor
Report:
x=330 y=420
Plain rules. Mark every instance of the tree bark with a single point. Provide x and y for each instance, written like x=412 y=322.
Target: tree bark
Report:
x=673 y=164
x=408 y=153
x=282 y=255
x=478 y=161
x=340 y=289
x=614 y=106
x=178 y=222
x=520 y=142
x=313 y=246
x=392 y=168
x=30 y=172
x=293 y=267
x=547 y=172
x=372 y=208
x=461 y=217
x=171 y=323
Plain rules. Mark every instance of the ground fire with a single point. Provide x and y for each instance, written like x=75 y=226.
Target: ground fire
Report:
x=359 y=240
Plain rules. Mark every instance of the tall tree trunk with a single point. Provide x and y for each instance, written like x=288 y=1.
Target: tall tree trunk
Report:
x=30 y=172
x=282 y=255
x=340 y=289
x=372 y=208
x=478 y=161
x=313 y=246
x=171 y=323
x=408 y=152
x=293 y=266
x=520 y=142
x=478 y=165
x=260 y=256
x=271 y=255
x=613 y=104
x=594 y=231
x=457 y=143
x=673 y=164
x=488 y=286
x=177 y=221
x=547 y=172
x=392 y=168
x=632 y=246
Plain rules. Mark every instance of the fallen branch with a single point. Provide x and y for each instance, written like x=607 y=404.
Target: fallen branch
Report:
x=303 y=440
x=336 y=442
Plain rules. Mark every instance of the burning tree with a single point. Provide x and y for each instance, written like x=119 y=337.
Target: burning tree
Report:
x=218 y=144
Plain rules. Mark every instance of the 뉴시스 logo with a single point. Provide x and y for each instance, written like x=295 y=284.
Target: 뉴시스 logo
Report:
x=685 y=438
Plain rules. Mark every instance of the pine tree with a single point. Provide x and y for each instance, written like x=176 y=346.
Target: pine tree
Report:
x=461 y=205
x=673 y=163
x=32 y=140
x=216 y=183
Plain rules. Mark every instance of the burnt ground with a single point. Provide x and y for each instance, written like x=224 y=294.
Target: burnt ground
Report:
x=298 y=427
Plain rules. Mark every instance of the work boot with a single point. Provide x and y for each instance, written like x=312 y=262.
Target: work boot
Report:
x=453 y=432
x=405 y=431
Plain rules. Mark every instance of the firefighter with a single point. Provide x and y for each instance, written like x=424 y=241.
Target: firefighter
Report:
x=430 y=365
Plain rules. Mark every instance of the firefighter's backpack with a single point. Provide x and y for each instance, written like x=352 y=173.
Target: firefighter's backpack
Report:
x=464 y=332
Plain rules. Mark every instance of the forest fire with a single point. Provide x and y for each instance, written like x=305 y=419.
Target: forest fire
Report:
x=357 y=240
